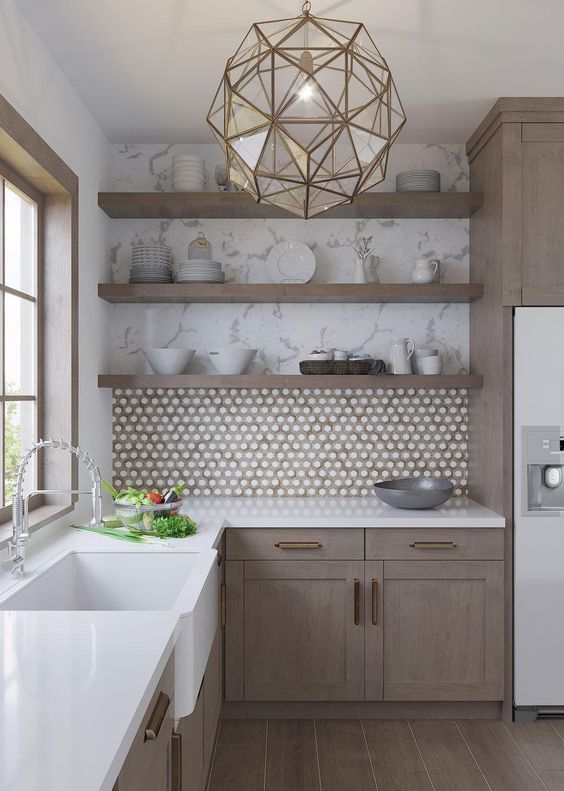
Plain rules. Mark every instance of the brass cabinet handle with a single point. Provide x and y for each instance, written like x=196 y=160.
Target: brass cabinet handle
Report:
x=432 y=545
x=223 y=607
x=157 y=718
x=176 y=762
x=375 y=602
x=356 y=601
x=298 y=545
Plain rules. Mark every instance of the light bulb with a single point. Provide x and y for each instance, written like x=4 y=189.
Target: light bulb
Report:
x=306 y=91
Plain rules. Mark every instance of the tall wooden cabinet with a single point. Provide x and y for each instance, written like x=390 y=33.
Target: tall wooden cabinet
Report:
x=516 y=159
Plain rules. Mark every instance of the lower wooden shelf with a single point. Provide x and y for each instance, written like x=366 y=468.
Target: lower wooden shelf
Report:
x=270 y=381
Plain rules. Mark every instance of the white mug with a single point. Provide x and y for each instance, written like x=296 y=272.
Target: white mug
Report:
x=419 y=354
x=431 y=365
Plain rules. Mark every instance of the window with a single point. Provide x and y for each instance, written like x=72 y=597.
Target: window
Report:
x=19 y=343
x=38 y=318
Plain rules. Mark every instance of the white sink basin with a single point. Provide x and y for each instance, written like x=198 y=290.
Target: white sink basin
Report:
x=106 y=581
x=183 y=585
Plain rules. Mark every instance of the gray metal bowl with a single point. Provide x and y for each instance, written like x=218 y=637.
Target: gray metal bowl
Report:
x=414 y=492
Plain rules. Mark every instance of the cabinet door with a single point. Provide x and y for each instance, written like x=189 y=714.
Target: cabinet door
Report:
x=191 y=731
x=212 y=698
x=443 y=630
x=374 y=630
x=542 y=230
x=294 y=630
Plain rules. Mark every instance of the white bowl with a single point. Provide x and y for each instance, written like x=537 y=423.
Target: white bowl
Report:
x=170 y=361
x=231 y=360
x=323 y=357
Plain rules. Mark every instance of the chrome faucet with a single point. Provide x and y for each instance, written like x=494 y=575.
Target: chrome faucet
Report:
x=20 y=505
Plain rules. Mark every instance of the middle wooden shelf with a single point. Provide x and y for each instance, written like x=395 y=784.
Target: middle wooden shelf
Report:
x=289 y=292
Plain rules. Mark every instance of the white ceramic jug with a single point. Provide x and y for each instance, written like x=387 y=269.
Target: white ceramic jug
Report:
x=400 y=355
x=424 y=271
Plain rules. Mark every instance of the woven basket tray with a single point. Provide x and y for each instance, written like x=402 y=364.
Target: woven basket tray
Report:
x=336 y=367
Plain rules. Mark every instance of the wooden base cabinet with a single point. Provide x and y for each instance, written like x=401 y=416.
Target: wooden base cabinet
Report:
x=147 y=766
x=294 y=630
x=443 y=630
x=403 y=625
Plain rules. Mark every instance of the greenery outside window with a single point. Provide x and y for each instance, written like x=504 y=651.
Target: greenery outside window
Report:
x=19 y=343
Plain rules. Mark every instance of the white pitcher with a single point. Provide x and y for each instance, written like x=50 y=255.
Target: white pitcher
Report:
x=400 y=355
x=424 y=271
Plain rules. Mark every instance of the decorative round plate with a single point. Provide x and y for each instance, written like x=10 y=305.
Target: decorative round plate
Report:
x=290 y=262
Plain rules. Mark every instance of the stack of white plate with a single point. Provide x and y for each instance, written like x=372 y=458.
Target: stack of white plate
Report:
x=151 y=263
x=188 y=173
x=199 y=270
x=418 y=181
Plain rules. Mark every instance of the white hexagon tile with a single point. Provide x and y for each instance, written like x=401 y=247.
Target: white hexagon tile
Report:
x=287 y=442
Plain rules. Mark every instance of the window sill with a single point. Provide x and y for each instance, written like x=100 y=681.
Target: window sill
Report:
x=38 y=518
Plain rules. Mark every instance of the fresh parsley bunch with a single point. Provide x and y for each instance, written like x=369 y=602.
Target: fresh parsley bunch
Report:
x=174 y=526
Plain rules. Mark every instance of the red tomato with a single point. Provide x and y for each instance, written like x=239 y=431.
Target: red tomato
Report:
x=155 y=497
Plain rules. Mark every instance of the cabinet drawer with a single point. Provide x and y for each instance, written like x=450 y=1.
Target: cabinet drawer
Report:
x=295 y=544
x=147 y=752
x=434 y=544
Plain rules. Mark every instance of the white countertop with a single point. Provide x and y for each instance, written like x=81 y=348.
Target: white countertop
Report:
x=333 y=512
x=75 y=685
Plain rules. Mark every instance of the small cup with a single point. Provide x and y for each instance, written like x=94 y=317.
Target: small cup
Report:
x=339 y=354
x=419 y=354
x=431 y=365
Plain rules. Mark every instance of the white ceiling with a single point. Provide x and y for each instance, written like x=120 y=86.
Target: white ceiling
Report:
x=147 y=69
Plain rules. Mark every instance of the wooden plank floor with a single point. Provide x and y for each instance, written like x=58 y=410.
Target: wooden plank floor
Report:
x=388 y=755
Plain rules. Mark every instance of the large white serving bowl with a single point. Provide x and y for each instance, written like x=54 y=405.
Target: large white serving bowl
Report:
x=231 y=360
x=170 y=361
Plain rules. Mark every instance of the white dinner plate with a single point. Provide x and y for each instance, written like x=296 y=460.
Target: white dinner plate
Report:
x=290 y=262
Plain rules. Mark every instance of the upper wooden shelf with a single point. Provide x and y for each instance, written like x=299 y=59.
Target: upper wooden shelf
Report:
x=143 y=381
x=239 y=205
x=277 y=292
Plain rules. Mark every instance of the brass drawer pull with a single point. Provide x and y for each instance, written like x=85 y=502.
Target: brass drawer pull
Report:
x=176 y=762
x=356 y=601
x=298 y=545
x=433 y=545
x=157 y=718
x=375 y=602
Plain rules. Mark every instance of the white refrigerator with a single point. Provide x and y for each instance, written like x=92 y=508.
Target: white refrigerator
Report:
x=539 y=512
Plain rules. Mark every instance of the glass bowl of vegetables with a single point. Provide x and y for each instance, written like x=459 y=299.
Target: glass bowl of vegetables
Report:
x=137 y=510
x=141 y=516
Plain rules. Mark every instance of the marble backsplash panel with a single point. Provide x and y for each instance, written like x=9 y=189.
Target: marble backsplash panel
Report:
x=282 y=333
x=289 y=442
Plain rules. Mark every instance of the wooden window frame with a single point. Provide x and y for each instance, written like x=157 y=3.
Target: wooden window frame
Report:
x=7 y=175
x=27 y=162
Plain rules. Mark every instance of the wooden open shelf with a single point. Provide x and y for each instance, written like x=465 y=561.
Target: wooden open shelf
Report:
x=239 y=205
x=276 y=292
x=270 y=381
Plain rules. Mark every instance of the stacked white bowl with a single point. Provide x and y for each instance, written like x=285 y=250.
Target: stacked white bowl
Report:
x=418 y=181
x=151 y=263
x=188 y=173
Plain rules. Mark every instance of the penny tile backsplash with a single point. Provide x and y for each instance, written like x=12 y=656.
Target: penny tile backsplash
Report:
x=289 y=442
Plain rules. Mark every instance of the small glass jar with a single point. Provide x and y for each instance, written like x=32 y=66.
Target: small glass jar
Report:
x=200 y=248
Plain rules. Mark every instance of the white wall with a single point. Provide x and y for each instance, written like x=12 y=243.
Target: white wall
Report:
x=33 y=83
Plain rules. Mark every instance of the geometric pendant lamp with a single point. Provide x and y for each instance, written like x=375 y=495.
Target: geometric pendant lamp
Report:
x=306 y=112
